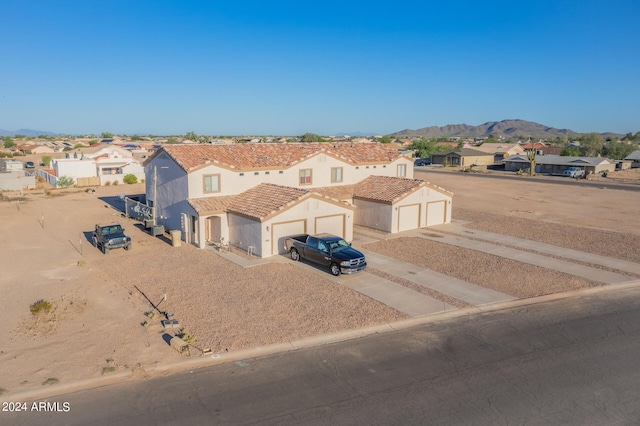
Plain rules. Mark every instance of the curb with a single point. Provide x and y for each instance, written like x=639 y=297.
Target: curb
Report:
x=309 y=342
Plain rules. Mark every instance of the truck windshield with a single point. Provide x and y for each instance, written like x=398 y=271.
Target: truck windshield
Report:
x=338 y=245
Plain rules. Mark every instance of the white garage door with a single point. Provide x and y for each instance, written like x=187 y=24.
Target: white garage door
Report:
x=333 y=225
x=436 y=213
x=408 y=217
x=284 y=229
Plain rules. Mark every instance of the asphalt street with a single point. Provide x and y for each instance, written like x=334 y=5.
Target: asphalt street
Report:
x=568 y=361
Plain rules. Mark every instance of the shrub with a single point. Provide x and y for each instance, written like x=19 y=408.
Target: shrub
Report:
x=65 y=181
x=107 y=183
x=130 y=179
x=40 y=306
x=189 y=338
x=115 y=182
x=51 y=381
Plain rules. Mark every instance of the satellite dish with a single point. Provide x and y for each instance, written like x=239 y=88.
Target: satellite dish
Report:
x=122 y=196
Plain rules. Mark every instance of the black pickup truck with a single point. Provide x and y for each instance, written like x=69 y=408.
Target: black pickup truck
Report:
x=327 y=250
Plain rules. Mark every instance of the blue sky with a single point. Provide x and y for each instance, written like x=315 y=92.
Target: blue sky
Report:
x=290 y=67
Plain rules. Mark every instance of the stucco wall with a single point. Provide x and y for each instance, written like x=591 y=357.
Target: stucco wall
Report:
x=244 y=232
x=168 y=193
x=234 y=182
x=373 y=215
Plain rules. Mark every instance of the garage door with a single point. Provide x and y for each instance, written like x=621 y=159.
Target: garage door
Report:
x=284 y=229
x=408 y=217
x=436 y=213
x=333 y=225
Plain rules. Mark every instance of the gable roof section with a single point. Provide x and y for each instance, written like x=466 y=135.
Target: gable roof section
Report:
x=389 y=190
x=211 y=205
x=558 y=160
x=462 y=152
x=635 y=155
x=275 y=156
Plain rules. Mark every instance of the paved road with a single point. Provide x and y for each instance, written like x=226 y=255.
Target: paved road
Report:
x=568 y=361
x=540 y=178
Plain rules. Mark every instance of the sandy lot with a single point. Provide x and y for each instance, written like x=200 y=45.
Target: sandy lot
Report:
x=99 y=302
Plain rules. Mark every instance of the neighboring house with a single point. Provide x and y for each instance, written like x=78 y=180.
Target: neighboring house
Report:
x=9 y=165
x=36 y=149
x=13 y=176
x=556 y=164
x=109 y=164
x=465 y=157
x=635 y=158
x=500 y=151
x=256 y=194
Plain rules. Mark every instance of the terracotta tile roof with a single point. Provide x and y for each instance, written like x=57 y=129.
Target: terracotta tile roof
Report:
x=211 y=205
x=390 y=189
x=260 y=202
x=266 y=200
x=276 y=156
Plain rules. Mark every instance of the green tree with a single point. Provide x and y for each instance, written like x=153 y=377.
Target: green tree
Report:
x=192 y=136
x=311 y=137
x=172 y=139
x=92 y=142
x=106 y=135
x=78 y=145
x=570 y=151
x=617 y=150
x=591 y=145
x=425 y=147
x=9 y=143
x=46 y=160
x=386 y=139
x=136 y=138
x=130 y=179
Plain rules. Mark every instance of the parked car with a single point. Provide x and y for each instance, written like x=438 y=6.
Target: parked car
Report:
x=110 y=236
x=327 y=250
x=29 y=165
x=574 y=172
x=422 y=162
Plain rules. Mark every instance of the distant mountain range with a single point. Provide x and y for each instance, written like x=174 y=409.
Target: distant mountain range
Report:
x=26 y=132
x=504 y=128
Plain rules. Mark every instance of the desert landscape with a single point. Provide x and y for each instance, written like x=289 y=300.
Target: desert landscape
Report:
x=102 y=321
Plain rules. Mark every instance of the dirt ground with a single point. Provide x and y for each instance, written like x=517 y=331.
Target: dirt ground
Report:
x=99 y=302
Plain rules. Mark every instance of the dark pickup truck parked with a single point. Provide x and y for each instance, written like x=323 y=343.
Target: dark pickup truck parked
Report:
x=327 y=250
x=110 y=236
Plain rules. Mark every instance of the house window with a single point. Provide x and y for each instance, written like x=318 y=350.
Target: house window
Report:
x=336 y=174
x=305 y=176
x=402 y=170
x=266 y=173
x=280 y=172
x=256 y=173
x=211 y=183
x=241 y=174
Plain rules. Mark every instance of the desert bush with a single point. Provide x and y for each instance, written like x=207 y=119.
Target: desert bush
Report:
x=107 y=183
x=41 y=306
x=189 y=338
x=65 y=181
x=51 y=381
x=130 y=179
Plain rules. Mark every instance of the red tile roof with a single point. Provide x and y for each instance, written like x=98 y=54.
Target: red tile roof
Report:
x=276 y=156
x=389 y=190
x=211 y=205
x=260 y=202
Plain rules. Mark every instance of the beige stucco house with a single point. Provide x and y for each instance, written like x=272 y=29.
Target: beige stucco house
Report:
x=465 y=157
x=254 y=195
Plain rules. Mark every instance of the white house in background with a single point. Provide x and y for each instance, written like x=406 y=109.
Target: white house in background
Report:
x=109 y=164
x=255 y=194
